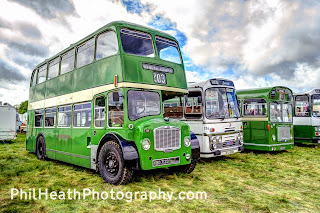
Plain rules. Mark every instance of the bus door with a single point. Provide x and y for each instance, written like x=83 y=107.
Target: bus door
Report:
x=99 y=119
x=81 y=133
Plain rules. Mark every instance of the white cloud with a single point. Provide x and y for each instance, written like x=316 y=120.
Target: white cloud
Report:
x=264 y=42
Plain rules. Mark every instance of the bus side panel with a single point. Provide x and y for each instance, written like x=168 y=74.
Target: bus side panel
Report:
x=63 y=144
x=65 y=83
x=83 y=79
x=303 y=133
x=31 y=137
x=112 y=67
x=39 y=92
x=255 y=132
x=50 y=138
x=81 y=138
x=51 y=87
x=247 y=131
x=259 y=132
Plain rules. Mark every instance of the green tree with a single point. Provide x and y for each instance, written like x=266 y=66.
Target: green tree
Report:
x=23 y=107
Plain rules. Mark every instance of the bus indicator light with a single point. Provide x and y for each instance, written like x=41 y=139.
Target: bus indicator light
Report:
x=212 y=130
x=115 y=80
x=268 y=127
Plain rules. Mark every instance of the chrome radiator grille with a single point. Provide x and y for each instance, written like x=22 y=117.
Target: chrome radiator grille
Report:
x=283 y=133
x=168 y=137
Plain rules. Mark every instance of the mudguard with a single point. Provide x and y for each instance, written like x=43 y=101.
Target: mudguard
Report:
x=129 y=149
x=195 y=147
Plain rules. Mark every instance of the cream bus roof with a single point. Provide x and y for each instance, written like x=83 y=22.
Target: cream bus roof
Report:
x=311 y=92
x=206 y=82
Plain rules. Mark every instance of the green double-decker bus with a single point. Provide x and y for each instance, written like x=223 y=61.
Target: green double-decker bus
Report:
x=267 y=118
x=306 y=119
x=98 y=104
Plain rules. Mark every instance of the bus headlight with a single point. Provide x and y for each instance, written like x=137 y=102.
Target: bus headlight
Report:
x=213 y=143
x=187 y=141
x=146 y=144
x=291 y=137
x=219 y=139
x=317 y=128
x=188 y=157
x=273 y=137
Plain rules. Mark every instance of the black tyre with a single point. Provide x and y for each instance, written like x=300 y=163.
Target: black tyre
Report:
x=41 y=148
x=184 y=168
x=111 y=165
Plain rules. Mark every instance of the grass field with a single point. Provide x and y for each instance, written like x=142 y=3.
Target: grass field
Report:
x=244 y=182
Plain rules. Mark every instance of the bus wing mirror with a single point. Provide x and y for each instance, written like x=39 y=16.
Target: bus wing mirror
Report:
x=186 y=99
x=115 y=97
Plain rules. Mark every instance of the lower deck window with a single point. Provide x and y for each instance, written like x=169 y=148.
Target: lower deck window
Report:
x=64 y=116
x=82 y=115
x=50 y=117
x=38 y=118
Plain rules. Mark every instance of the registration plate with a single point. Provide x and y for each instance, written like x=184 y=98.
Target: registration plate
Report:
x=159 y=78
x=228 y=152
x=282 y=148
x=165 y=161
x=229 y=143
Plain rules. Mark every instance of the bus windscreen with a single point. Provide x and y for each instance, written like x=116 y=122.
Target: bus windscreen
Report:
x=221 y=103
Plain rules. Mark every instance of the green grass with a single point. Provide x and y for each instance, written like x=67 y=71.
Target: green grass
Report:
x=244 y=182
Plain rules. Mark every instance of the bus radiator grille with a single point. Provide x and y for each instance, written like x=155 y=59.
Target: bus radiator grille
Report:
x=283 y=133
x=167 y=137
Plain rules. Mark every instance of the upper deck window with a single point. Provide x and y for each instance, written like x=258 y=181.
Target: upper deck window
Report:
x=168 y=50
x=136 y=43
x=53 y=70
x=67 y=62
x=107 y=45
x=42 y=73
x=85 y=53
x=34 y=78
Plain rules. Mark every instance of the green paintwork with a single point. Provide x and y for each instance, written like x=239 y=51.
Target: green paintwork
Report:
x=255 y=133
x=304 y=134
x=72 y=144
x=127 y=67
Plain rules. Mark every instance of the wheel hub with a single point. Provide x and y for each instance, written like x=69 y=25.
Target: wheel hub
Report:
x=112 y=164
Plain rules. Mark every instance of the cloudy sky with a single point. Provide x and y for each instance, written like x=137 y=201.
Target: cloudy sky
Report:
x=255 y=43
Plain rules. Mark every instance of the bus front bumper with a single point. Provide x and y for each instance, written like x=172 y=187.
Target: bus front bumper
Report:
x=221 y=152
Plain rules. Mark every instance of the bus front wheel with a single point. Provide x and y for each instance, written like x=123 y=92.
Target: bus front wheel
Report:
x=41 y=148
x=111 y=165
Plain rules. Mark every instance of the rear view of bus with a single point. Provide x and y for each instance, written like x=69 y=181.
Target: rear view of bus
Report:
x=267 y=118
x=306 y=118
x=212 y=112
x=98 y=104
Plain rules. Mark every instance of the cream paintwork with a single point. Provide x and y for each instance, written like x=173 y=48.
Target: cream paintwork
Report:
x=306 y=121
x=86 y=95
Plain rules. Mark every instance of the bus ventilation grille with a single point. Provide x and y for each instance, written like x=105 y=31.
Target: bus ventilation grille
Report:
x=167 y=137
